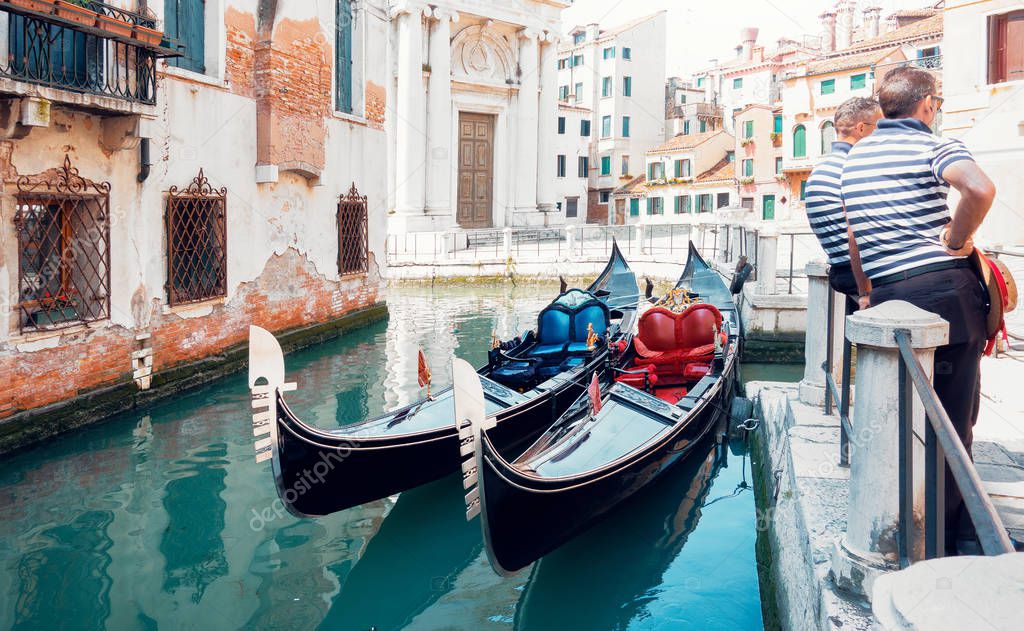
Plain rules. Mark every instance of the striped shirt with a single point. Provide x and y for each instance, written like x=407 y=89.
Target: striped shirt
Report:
x=825 y=205
x=896 y=196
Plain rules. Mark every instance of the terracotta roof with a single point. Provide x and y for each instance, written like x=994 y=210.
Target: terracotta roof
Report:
x=635 y=185
x=861 y=59
x=612 y=32
x=920 y=29
x=686 y=141
x=724 y=170
x=923 y=12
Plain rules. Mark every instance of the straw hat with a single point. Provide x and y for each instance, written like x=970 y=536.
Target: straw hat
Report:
x=992 y=270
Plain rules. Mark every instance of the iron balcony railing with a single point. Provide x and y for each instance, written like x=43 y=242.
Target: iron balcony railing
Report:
x=107 y=57
x=932 y=62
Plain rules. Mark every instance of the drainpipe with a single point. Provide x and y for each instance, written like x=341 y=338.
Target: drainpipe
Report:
x=144 y=161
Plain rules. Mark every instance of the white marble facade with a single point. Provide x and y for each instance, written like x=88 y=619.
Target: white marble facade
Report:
x=471 y=80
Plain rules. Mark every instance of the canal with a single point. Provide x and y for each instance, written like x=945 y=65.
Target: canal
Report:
x=158 y=517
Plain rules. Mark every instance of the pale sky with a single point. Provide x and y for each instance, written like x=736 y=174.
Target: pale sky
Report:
x=700 y=30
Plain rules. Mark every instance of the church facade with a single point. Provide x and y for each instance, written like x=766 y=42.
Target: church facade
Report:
x=468 y=147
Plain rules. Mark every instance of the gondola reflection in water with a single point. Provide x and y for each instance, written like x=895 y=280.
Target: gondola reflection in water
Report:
x=671 y=388
x=528 y=381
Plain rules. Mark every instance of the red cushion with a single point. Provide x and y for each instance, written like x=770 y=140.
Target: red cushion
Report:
x=661 y=330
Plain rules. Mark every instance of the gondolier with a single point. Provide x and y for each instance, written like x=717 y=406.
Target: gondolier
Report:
x=854 y=120
x=894 y=185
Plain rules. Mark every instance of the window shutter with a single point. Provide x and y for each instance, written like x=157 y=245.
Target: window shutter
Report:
x=343 y=56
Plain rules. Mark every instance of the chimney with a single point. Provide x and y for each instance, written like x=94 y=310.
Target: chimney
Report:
x=872 y=17
x=828 y=31
x=844 y=25
x=709 y=83
x=593 y=31
x=749 y=37
x=892 y=23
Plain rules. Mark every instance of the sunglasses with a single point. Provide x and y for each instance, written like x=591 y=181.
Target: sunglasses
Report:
x=938 y=100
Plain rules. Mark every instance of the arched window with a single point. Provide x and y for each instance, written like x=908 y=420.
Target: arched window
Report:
x=828 y=136
x=799 y=142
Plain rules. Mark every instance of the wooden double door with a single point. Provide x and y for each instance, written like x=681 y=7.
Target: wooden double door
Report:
x=476 y=170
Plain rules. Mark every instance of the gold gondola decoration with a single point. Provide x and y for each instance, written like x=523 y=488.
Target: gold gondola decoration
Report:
x=592 y=337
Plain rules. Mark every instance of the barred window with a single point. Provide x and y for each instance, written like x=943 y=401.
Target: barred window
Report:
x=63 y=228
x=197 y=248
x=353 y=247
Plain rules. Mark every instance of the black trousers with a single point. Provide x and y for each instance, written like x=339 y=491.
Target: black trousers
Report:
x=841 y=279
x=958 y=297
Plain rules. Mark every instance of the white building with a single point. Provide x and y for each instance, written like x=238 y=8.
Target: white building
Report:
x=983 y=82
x=572 y=162
x=619 y=75
x=687 y=110
x=470 y=145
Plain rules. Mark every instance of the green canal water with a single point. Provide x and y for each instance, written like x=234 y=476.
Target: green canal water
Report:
x=157 y=518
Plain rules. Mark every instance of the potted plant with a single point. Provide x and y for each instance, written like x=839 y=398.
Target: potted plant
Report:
x=746 y=142
x=745 y=181
x=776 y=138
x=77 y=11
x=148 y=36
x=55 y=310
x=114 y=25
x=39 y=6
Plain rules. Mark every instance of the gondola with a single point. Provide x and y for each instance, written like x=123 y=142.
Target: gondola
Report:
x=674 y=387
x=529 y=381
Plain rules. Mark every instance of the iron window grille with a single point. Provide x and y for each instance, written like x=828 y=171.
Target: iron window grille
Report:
x=62 y=221
x=46 y=51
x=197 y=247
x=353 y=237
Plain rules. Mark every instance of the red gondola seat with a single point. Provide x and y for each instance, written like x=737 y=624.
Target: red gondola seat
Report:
x=679 y=347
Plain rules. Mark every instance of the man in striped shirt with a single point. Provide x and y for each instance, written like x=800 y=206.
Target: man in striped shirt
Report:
x=855 y=119
x=894 y=185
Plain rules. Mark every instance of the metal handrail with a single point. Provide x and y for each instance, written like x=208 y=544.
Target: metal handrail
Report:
x=942 y=446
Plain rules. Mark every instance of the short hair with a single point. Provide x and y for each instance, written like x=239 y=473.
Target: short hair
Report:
x=853 y=111
x=902 y=89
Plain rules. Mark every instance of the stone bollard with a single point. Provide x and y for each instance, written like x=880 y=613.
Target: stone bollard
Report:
x=812 y=387
x=869 y=547
x=767 y=258
x=736 y=243
x=508 y=243
x=640 y=238
x=570 y=242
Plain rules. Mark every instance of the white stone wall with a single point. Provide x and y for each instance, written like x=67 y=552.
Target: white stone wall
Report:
x=573 y=146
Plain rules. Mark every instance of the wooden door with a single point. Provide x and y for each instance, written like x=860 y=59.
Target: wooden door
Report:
x=476 y=170
x=620 y=211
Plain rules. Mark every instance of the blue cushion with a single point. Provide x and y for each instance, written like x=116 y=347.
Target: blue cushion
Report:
x=571 y=363
x=554 y=327
x=547 y=350
x=548 y=371
x=578 y=347
x=514 y=373
x=592 y=314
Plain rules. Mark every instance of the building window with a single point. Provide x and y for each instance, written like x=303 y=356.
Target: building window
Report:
x=778 y=124
x=703 y=126
x=700 y=82
x=625 y=127
x=627 y=53
x=627 y=86
x=747 y=203
x=828 y=136
x=634 y=207
x=561 y=124
x=1005 y=55
x=579 y=38
x=606 y=87
x=563 y=93
x=730 y=155
x=608 y=53
x=656 y=171
x=748 y=129
x=584 y=166
x=748 y=167
x=768 y=207
x=682 y=204
x=577 y=60
x=803 y=190
x=585 y=127
x=828 y=86
x=655 y=205
x=343 y=56
x=737 y=83
x=185 y=21
x=799 y=142
x=606 y=127
x=778 y=165
x=625 y=165
x=579 y=92
x=571 y=207
x=196 y=242
x=604 y=196
x=686 y=128
x=704 y=202
x=563 y=63
x=682 y=168
x=353 y=236
x=561 y=165
x=723 y=200
x=63 y=231
x=682 y=99
x=858 y=81
x=606 y=165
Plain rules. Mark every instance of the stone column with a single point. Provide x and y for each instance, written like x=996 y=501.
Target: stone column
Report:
x=526 y=128
x=812 y=387
x=869 y=547
x=767 y=260
x=439 y=115
x=547 y=124
x=411 y=127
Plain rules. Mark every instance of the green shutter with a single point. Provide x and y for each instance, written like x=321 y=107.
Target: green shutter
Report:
x=606 y=165
x=828 y=86
x=185 y=21
x=627 y=86
x=634 y=207
x=778 y=124
x=748 y=129
x=343 y=56
x=625 y=127
x=799 y=142
x=858 y=81
x=803 y=190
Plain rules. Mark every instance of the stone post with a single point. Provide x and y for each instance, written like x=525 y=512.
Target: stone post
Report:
x=507 y=233
x=812 y=387
x=547 y=124
x=767 y=258
x=439 y=116
x=410 y=127
x=640 y=238
x=570 y=242
x=869 y=547
x=526 y=131
x=736 y=243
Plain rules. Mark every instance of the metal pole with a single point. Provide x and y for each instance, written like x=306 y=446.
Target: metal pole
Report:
x=844 y=402
x=906 y=469
x=934 y=495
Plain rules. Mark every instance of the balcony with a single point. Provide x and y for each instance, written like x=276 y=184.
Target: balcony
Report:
x=85 y=54
x=697 y=110
x=932 y=63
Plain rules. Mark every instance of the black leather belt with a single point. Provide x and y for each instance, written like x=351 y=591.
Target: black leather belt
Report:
x=889 y=279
